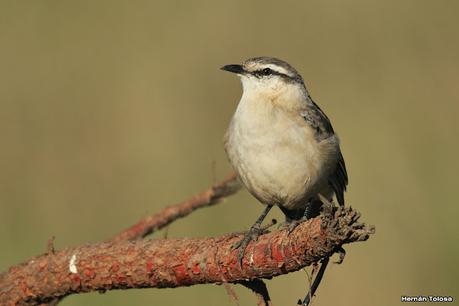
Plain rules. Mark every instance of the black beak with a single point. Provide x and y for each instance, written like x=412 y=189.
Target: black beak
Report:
x=233 y=68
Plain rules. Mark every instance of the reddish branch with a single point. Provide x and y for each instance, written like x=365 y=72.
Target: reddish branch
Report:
x=166 y=216
x=168 y=263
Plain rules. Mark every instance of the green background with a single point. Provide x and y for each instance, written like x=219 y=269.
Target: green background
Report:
x=110 y=110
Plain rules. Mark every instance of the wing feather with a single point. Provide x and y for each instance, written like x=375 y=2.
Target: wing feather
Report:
x=339 y=180
x=317 y=119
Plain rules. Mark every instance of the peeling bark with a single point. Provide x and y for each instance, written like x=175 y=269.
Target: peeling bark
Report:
x=168 y=263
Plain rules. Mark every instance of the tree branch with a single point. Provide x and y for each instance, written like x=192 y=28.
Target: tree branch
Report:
x=166 y=216
x=168 y=263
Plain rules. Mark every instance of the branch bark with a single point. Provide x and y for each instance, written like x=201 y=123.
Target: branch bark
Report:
x=168 y=263
x=166 y=216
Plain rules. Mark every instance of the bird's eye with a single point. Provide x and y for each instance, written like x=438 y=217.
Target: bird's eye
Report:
x=266 y=71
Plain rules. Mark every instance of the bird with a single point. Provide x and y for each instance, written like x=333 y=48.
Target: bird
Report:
x=281 y=144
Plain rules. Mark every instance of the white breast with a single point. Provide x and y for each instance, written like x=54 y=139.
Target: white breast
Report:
x=276 y=154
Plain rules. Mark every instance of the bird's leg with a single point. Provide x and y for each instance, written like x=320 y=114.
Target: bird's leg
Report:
x=306 y=216
x=307 y=212
x=293 y=224
x=311 y=210
x=253 y=233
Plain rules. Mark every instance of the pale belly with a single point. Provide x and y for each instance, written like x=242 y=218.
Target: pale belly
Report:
x=283 y=165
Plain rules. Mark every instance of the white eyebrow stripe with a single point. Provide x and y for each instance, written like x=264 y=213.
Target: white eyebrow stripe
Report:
x=278 y=69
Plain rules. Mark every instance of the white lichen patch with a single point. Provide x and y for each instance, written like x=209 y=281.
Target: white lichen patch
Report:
x=72 y=264
x=251 y=259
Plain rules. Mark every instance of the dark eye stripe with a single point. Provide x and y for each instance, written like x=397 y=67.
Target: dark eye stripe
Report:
x=267 y=71
x=263 y=72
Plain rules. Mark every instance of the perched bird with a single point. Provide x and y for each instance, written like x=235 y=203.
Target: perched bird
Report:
x=281 y=144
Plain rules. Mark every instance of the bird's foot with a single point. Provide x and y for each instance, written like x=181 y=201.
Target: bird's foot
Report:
x=251 y=235
x=290 y=225
x=294 y=223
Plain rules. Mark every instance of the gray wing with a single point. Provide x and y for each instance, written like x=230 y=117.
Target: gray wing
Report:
x=338 y=180
x=317 y=119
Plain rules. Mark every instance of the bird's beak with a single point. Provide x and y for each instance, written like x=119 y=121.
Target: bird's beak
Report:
x=238 y=69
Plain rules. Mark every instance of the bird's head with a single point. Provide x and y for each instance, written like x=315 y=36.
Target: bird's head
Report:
x=267 y=76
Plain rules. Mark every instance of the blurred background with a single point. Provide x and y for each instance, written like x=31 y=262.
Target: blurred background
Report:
x=110 y=110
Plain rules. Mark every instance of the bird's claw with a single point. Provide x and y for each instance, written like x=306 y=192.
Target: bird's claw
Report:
x=293 y=224
x=251 y=235
x=290 y=225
